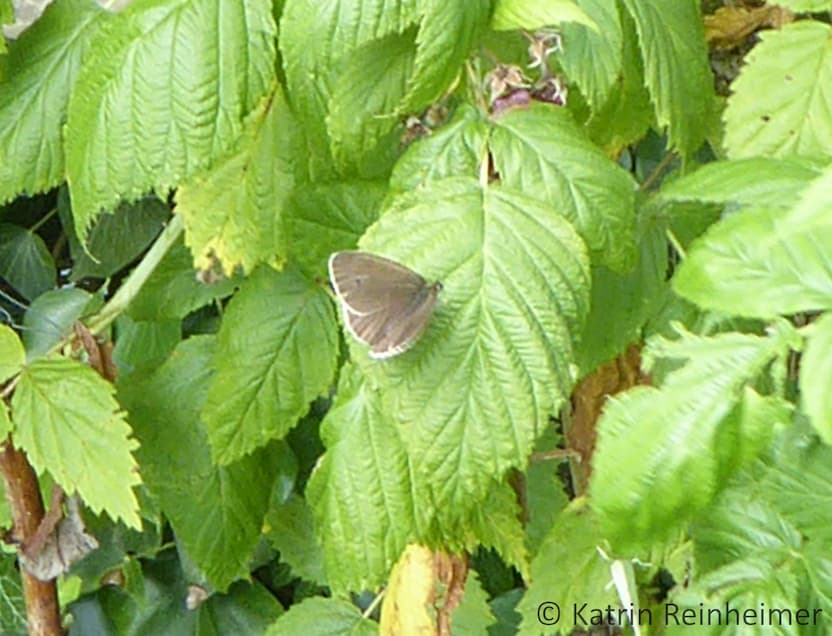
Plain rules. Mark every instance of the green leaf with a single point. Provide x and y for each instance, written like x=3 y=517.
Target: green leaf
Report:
x=12 y=605
x=816 y=376
x=70 y=425
x=535 y=14
x=448 y=33
x=663 y=454
x=676 y=68
x=496 y=361
x=495 y=524
x=366 y=96
x=233 y=213
x=546 y=500
x=626 y=115
x=277 y=351
x=174 y=290
x=360 y=491
x=5 y=422
x=455 y=150
x=40 y=71
x=473 y=615
x=153 y=603
x=569 y=570
x=290 y=528
x=806 y=6
x=622 y=304
x=759 y=181
x=543 y=153
x=217 y=512
x=792 y=118
x=327 y=217
x=50 y=318
x=323 y=617
x=592 y=57
x=747 y=264
x=12 y=354
x=25 y=261
x=337 y=30
x=143 y=346
x=189 y=71
x=116 y=239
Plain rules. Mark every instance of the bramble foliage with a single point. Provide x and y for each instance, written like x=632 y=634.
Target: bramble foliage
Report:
x=176 y=175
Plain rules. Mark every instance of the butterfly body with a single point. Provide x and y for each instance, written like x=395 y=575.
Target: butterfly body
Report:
x=385 y=304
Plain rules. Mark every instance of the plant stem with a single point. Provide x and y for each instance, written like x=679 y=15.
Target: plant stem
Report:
x=43 y=614
x=138 y=277
x=43 y=220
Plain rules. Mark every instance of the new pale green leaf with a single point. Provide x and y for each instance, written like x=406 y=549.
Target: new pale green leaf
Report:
x=542 y=152
x=676 y=70
x=662 y=454
x=39 y=73
x=783 y=96
x=276 y=352
x=216 y=511
x=162 y=96
x=70 y=425
x=290 y=528
x=475 y=392
x=758 y=181
x=472 y=617
x=765 y=262
x=816 y=377
x=361 y=490
x=233 y=213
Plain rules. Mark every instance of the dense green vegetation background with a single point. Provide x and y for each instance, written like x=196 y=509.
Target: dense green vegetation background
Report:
x=175 y=176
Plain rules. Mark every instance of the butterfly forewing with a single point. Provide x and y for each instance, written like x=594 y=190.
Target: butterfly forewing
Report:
x=386 y=305
x=366 y=283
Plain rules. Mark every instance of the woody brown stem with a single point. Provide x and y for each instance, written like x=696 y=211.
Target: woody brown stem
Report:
x=42 y=609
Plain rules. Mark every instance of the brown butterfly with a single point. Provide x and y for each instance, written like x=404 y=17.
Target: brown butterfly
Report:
x=386 y=305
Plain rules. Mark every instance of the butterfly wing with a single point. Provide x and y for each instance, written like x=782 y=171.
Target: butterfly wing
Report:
x=366 y=283
x=396 y=328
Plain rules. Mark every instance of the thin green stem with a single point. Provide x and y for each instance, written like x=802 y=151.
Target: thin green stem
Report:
x=43 y=220
x=674 y=241
x=138 y=277
x=371 y=608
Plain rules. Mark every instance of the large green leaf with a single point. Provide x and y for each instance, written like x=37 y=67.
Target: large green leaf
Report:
x=662 y=454
x=360 y=491
x=790 y=117
x=34 y=90
x=233 y=213
x=143 y=346
x=478 y=388
x=51 y=316
x=70 y=425
x=323 y=617
x=592 y=58
x=676 y=68
x=337 y=29
x=216 y=511
x=542 y=152
x=277 y=351
x=162 y=96
x=25 y=261
x=764 y=262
